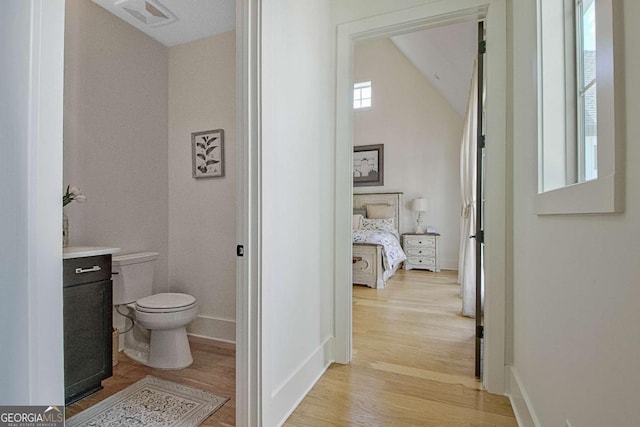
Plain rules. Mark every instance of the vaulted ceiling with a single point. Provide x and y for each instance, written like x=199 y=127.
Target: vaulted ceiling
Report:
x=444 y=56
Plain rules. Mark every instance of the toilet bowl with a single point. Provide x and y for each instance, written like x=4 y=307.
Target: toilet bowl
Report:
x=159 y=336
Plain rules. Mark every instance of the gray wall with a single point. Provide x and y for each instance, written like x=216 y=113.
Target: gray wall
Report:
x=115 y=134
x=202 y=212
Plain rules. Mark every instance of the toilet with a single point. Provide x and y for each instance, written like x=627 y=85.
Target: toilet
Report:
x=158 y=337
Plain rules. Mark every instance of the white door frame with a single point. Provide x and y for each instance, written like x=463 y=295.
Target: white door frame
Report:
x=34 y=284
x=46 y=351
x=248 y=280
x=403 y=21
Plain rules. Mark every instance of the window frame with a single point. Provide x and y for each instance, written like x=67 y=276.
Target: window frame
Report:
x=360 y=98
x=582 y=88
x=604 y=194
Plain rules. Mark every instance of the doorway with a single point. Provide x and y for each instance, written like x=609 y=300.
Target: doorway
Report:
x=493 y=12
x=135 y=108
x=421 y=84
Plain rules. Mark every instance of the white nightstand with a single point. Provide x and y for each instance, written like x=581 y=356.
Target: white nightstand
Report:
x=421 y=250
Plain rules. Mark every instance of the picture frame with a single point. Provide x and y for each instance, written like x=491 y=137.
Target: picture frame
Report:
x=368 y=165
x=207 y=153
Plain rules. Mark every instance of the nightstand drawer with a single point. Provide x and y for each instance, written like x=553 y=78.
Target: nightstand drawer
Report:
x=421 y=241
x=421 y=252
x=422 y=262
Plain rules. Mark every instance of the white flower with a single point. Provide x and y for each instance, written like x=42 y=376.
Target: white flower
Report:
x=75 y=191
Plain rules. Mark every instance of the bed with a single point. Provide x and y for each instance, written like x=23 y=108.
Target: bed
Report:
x=377 y=253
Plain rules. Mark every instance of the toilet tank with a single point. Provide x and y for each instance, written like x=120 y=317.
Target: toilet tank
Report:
x=132 y=276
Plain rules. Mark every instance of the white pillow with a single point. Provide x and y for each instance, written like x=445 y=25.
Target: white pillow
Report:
x=378 y=224
x=380 y=211
x=357 y=220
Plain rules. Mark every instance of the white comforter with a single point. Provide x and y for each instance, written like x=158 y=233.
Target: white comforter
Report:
x=392 y=253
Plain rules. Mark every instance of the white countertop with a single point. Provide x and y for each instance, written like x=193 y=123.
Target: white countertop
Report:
x=85 y=251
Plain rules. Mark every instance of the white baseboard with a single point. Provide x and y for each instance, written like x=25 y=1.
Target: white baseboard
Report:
x=448 y=264
x=286 y=398
x=213 y=328
x=520 y=402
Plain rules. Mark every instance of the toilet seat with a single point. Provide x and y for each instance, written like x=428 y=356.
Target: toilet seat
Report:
x=165 y=303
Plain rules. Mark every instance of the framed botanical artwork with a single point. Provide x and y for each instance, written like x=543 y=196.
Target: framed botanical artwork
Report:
x=207 y=149
x=368 y=165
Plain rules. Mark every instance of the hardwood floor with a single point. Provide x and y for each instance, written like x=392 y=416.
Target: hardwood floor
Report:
x=412 y=364
x=213 y=370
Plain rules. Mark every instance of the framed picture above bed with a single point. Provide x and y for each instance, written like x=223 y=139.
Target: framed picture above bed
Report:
x=368 y=165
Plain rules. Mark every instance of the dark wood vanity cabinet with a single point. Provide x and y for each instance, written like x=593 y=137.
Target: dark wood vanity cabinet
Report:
x=87 y=325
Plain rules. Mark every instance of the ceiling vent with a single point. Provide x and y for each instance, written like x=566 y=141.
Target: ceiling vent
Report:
x=149 y=12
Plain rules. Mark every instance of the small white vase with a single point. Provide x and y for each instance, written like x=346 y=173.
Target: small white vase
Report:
x=65 y=230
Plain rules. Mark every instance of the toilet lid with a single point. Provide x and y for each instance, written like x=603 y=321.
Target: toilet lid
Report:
x=165 y=302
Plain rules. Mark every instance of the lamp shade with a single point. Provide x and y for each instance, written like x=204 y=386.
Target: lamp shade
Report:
x=419 y=205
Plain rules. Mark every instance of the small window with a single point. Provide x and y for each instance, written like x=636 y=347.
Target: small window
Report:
x=362 y=95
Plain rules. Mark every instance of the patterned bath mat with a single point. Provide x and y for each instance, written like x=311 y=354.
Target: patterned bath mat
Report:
x=151 y=402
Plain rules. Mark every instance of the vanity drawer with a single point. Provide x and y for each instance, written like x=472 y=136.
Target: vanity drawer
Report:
x=77 y=271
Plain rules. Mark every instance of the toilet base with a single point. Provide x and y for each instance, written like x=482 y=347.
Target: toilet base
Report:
x=168 y=349
x=137 y=355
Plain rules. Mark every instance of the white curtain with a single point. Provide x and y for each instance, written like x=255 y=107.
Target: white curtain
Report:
x=468 y=154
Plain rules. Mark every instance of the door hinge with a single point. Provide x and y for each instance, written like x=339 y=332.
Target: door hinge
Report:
x=240 y=250
x=482 y=141
x=479 y=236
x=480 y=331
x=482 y=47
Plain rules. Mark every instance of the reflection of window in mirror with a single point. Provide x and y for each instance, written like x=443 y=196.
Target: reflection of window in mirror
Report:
x=580 y=112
